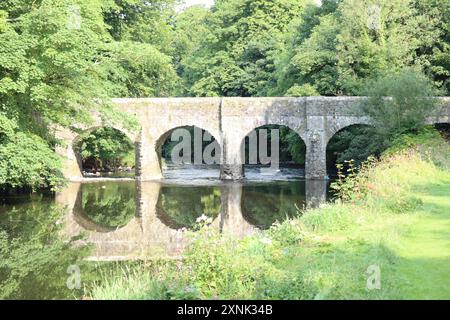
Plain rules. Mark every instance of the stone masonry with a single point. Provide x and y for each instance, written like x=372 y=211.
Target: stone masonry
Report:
x=315 y=119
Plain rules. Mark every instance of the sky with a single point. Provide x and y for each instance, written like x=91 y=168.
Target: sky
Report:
x=207 y=3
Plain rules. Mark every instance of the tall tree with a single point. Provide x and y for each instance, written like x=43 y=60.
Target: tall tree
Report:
x=345 y=42
x=237 y=55
x=435 y=52
x=142 y=21
x=58 y=65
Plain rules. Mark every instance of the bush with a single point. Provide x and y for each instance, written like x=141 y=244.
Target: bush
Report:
x=26 y=159
x=106 y=148
x=398 y=103
x=428 y=142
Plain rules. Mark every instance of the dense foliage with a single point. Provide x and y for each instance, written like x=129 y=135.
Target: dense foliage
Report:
x=397 y=104
x=239 y=48
x=26 y=159
x=106 y=149
x=58 y=62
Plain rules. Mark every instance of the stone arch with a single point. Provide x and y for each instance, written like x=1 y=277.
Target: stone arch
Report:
x=330 y=140
x=162 y=138
x=79 y=132
x=301 y=134
x=335 y=126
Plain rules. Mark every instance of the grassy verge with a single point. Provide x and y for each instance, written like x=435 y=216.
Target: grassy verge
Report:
x=388 y=240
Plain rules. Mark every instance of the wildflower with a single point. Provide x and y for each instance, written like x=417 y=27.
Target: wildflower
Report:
x=202 y=218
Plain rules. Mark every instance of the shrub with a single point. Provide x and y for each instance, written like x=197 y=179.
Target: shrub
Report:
x=26 y=159
x=396 y=103
x=428 y=142
x=399 y=102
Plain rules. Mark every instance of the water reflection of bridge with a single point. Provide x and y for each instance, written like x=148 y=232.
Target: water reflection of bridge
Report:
x=146 y=235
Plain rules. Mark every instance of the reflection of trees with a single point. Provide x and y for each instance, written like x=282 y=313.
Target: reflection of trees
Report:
x=180 y=207
x=111 y=205
x=264 y=204
x=33 y=255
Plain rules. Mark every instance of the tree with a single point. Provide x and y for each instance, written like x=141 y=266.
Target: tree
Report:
x=50 y=68
x=106 y=148
x=308 y=63
x=58 y=65
x=26 y=159
x=139 y=70
x=237 y=55
x=399 y=102
x=342 y=43
x=190 y=32
x=435 y=52
x=142 y=21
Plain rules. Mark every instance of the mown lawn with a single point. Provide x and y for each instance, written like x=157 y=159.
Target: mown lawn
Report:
x=425 y=248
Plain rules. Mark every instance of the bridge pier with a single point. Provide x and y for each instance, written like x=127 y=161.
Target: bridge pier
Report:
x=232 y=167
x=148 y=162
x=316 y=157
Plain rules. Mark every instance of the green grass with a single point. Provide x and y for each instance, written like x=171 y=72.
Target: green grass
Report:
x=425 y=248
x=398 y=222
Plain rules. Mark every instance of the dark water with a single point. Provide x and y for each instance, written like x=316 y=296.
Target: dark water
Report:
x=127 y=220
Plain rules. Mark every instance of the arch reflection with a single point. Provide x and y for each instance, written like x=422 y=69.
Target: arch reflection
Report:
x=263 y=204
x=106 y=206
x=143 y=220
x=180 y=206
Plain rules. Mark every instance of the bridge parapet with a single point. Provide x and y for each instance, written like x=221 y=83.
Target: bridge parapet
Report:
x=315 y=119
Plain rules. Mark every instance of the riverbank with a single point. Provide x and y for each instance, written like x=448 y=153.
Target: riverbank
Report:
x=390 y=240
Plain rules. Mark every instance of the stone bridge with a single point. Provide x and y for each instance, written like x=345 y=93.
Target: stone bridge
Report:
x=315 y=119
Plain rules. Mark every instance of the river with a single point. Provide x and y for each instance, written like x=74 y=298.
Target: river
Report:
x=126 y=220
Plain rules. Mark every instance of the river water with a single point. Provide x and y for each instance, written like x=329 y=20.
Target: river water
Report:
x=126 y=220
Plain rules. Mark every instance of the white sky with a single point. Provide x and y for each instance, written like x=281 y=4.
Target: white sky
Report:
x=207 y=3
